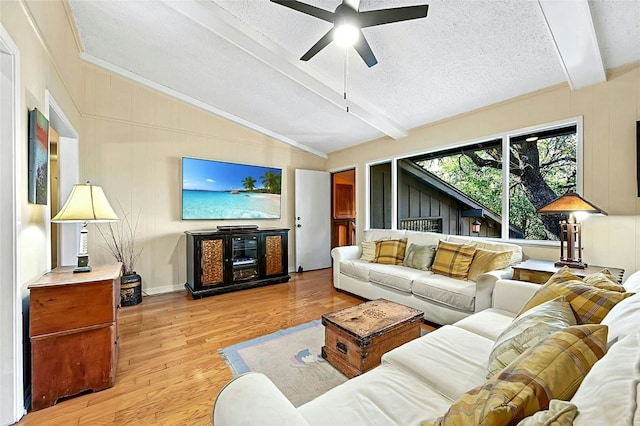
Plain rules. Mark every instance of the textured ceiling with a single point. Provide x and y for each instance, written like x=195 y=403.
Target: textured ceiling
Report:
x=239 y=58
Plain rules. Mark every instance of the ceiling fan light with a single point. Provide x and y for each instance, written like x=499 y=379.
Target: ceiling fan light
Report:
x=346 y=35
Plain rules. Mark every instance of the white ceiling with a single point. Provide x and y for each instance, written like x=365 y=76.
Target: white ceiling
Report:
x=239 y=59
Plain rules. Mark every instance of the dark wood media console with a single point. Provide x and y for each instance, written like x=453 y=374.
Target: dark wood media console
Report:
x=230 y=259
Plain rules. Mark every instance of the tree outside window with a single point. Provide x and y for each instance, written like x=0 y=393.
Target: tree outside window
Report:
x=542 y=166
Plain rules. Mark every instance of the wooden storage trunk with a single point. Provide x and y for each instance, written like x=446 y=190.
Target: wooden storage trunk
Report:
x=357 y=337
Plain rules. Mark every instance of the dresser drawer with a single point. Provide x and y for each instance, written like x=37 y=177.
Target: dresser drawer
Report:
x=66 y=307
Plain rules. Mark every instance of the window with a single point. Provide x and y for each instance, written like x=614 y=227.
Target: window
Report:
x=461 y=187
x=380 y=196
x=542 y=167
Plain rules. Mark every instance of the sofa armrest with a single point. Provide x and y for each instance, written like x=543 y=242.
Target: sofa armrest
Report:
x=253 y=399
x=485 y=286
x=343 y=253
x=512 y=295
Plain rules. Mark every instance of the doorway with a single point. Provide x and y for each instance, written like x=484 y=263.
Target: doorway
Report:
x=54 y=138
x=343 y=208
x=64 y=174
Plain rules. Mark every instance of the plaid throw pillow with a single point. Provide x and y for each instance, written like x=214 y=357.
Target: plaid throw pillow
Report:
x=390 y=252
x=552 y=369
x=453 y=260
x=590 y=304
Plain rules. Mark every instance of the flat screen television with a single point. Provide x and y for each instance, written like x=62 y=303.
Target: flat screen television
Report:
x=219 y=190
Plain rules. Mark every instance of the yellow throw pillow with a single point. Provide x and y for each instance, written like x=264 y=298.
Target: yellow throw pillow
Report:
x=590 y=304
x=390 y=252
x=604 y=280
x=453 y=260
x=552 y=369
x=487 y=260
x=368 y=251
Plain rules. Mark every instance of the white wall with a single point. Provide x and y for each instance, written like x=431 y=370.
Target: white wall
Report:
x=133 y=140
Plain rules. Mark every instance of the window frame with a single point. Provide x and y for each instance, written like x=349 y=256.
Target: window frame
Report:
x=506 y=137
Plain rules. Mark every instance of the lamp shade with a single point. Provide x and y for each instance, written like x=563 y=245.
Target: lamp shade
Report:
x=569 y=203
x=87 y=203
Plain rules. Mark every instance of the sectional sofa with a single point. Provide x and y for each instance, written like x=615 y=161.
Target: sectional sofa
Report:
x=443 y=299
x=433 y=375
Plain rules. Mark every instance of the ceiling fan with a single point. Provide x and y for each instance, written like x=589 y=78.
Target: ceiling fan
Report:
x=348 y=22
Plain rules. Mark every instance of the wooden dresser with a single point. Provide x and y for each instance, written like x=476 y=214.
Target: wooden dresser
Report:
x=74 y=332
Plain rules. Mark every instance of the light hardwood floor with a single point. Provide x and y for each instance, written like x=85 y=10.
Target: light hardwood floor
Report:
x=169 y=371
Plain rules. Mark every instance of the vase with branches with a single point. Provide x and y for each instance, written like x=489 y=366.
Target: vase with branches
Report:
x=120 y=240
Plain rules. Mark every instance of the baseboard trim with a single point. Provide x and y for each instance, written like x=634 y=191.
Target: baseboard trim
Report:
x=162 y=290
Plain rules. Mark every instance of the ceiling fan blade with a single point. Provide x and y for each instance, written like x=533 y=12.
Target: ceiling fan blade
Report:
x=325 y=15
x=320 y=44
x=364 y=50
x=387 y=16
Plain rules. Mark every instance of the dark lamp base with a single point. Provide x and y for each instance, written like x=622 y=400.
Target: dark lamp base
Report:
x=82 y=269
x=83 y=264
x=571 y=264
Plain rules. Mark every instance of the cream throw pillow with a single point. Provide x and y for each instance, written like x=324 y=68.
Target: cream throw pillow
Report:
x=527 y=330
x=368 y=251
x=419 y=256
x=560 y=413
x=487 y=260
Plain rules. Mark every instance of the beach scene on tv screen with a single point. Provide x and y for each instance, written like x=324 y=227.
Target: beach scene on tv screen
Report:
x=220 y=190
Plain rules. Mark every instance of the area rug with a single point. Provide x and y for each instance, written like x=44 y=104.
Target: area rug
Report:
x=290 y=358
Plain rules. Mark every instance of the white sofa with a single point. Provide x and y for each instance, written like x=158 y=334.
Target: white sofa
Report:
x=419 y=380
x=444 y=300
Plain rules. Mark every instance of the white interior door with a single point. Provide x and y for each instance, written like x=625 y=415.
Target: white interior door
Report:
x=313 y=220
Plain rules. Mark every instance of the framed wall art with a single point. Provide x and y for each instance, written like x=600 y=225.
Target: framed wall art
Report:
x=38 y=157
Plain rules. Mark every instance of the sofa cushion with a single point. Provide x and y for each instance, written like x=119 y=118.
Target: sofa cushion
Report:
x=487 y=260
x=395 y=276
x=447 y=291
x=356 y=268
x=419 y=256
x=489 y=244
x=612 y=386
x=368 y=251
x=527 y=330
x=382 y=234
x=390 y=252
x=552 y=369
x=385 y=395
x=453 y=260
x=589 y=303
x=623 y=319
x=488 y=323
x=424 y=238
x=449 y=359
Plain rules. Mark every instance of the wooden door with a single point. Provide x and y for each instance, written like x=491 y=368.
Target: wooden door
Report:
x=343 y=218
